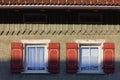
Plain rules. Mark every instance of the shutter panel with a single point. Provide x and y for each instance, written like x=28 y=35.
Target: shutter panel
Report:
x=71 y=57
x=53 y=57
x=108 y=57
x=16 y=57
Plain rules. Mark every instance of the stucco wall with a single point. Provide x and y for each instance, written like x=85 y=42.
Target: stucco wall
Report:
x=108 y=33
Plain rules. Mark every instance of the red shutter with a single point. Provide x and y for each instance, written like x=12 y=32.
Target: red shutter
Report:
x=53 y=57
x=71 y=57
x=108 y=57
x=16 y=57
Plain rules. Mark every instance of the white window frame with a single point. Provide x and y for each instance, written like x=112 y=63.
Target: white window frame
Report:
x=98 y=60
x=44 y=43
x=88 y=43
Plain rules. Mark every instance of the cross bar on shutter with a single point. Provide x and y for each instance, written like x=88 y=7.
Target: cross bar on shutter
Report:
x=54 y=46
x=108 y=45
x=71 y=45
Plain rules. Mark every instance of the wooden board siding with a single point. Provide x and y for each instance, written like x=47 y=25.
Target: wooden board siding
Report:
x=56 y=29
x=60 y=2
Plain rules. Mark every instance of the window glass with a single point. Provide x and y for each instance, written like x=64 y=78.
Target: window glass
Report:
x=93 y=58
x=35 y=58
x=89 y=58
x=84 y=58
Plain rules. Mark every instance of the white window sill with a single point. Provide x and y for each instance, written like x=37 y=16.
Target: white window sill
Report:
x=90 y=73
x=29 y=72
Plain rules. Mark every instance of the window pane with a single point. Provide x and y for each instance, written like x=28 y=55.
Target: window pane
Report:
x=40 y=57
x=31 y=52
x=35 y=58
x=84 y=59
x=89 y=58
x=94 y=51
x=85 y=52
x=94 y=63
x=93 y=58
x=85 y=63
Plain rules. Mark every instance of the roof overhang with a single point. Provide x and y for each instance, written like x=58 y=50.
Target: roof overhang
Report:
x=60 y=7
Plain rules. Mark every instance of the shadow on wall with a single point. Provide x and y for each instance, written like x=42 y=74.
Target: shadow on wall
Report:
x=59 y=16
x=5 y=74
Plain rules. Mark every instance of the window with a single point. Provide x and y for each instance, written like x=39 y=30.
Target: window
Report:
x=90 y=56
x=35 y=18
x=90 y=18
x=34 y=56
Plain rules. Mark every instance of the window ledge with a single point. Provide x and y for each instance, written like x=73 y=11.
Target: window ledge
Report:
x=29 y=72
x=90 y=73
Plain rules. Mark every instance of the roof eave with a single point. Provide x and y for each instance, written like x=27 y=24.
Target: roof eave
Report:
x=59 y=7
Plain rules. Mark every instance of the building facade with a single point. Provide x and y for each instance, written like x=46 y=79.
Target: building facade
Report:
x=59 y=40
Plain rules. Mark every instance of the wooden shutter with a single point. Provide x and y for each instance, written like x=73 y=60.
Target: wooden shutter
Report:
x=71 y=57
x=16 y=57
x=108 y=57
x=53 y=57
